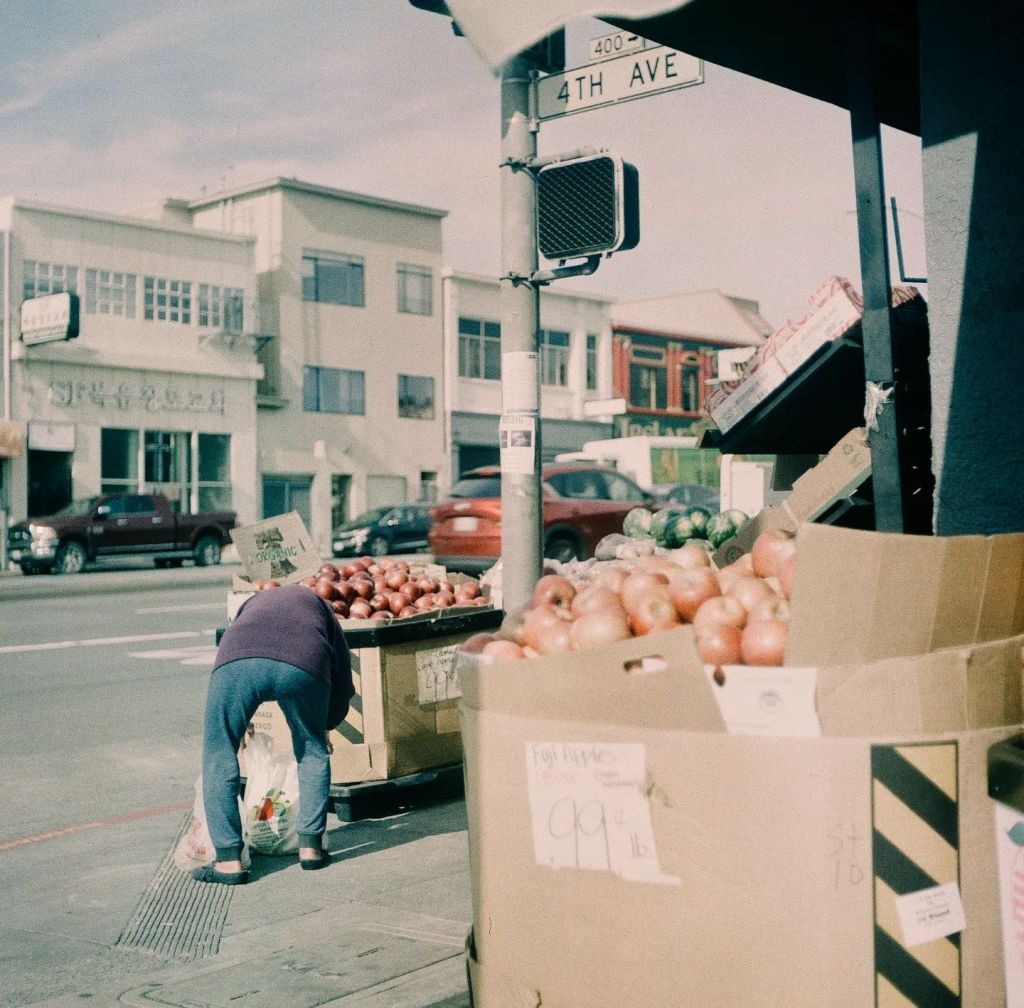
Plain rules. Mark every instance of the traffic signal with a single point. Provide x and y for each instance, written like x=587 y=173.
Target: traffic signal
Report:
x=587 y=206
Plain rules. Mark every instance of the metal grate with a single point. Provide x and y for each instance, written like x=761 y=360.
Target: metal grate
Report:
x=178 y=918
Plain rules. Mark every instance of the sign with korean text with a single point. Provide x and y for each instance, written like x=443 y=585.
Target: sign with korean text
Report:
x=623 y=78
x=49 y=319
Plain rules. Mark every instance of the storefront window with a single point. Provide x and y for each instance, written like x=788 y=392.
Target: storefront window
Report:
x=214 y=470
x=119 y=460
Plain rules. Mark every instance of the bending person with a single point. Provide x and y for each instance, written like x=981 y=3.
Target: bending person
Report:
x=284 y=644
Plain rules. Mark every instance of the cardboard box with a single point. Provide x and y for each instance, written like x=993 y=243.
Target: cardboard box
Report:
x=277 y=548
x=836 y=476
x=807 y=837
x=404 y=715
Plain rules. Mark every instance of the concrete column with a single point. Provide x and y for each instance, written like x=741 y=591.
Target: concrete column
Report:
x=972 y=90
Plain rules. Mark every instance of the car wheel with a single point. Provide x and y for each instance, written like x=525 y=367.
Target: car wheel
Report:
x=562 y=548
x=378 y=546
x=207 y=552
x=70 y=559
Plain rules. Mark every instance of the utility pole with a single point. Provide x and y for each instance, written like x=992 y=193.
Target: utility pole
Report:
x=520 y=428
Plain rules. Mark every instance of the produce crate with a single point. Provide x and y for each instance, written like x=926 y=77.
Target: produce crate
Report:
x=404 y=716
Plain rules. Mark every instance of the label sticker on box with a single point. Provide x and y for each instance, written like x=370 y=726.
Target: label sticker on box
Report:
x=930 y=913
x=766 y=701
x=589 y=809
x=436 y=676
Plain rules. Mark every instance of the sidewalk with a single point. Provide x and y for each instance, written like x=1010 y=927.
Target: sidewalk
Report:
x=383 y=926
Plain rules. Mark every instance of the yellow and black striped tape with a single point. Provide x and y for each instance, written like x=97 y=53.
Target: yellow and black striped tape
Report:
x=351 y=729
x=915 y=846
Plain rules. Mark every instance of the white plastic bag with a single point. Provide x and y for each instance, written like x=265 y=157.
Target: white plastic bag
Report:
x=195 y=848
x=271 y=799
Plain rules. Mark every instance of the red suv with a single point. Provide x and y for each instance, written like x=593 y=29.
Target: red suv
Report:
x=581 y=505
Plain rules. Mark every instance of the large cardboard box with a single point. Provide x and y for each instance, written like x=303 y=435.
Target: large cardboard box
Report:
x=816 y=836
x=404 y=716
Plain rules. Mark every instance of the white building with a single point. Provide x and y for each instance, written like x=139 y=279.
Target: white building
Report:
x=351 y=408
x=159 y=386
x=575 y=368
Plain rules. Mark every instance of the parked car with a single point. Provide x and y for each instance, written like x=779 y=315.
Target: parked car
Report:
x=581 y=504
x=689 y=495
x=398 y=528
x=118 y=525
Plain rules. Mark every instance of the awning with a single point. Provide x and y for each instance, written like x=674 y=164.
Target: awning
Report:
x=797 y=45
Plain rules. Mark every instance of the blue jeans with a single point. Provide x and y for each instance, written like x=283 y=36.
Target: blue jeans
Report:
x=235 y=691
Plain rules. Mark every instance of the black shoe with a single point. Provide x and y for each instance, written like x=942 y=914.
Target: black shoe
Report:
x=322 y=860
x=209 y=873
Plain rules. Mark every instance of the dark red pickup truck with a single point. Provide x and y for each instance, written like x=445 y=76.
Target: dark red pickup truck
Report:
x=117 y=525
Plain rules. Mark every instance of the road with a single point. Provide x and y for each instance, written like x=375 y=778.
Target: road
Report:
x=102 y=684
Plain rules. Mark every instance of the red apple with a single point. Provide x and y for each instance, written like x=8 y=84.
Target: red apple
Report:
x=652 y=613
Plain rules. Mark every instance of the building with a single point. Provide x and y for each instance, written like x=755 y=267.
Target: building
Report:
x=665 y=354
x=575 y=349
x=158 y=387
x=350 y=410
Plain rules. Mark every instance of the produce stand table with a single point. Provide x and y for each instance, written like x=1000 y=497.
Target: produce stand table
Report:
x=373 y=799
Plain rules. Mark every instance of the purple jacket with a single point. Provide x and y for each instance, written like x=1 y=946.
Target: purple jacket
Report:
x=292 y=624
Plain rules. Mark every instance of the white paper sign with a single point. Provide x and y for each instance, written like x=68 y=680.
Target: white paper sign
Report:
x=436 y=675
x=517 y=439
x=767 y=701
x=930 y=913
x=1010 y=847
x=589 y=809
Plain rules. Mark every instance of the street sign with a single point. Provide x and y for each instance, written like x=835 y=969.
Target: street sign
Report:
x=621 y=79
x=49 y=318
x=613 y=44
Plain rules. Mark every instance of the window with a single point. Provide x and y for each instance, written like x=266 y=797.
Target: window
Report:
x=591 y=362
x=167 y=300
x=166 y=468
x=221 y=307
x=554 y=357
x=119 y=460
x=479 y=349
x=332 y=390
x=140 y=504
x=214 y=472
x=282 y=494
x=110 y=293
x=618 y=488
x=167 y=465
x=647 y=387
x=415 y=289
x=49 y=278
x=416 y=397
x=332 y=279
x=689 y=384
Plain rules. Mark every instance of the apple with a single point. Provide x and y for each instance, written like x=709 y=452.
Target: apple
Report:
x=360 y=609
x=690 y=588
x=651 y=613
x=553 y=589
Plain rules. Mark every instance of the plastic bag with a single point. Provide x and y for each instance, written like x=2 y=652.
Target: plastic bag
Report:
x=271 y=799
x=195 y=848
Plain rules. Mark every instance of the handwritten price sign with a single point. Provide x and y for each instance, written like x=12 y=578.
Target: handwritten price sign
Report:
x=589 y=808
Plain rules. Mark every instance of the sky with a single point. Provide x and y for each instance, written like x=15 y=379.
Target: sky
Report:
x=744 y=187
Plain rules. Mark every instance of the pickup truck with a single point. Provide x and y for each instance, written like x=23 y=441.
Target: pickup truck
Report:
x=117 y=525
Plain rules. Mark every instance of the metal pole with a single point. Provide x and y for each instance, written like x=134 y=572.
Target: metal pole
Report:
x=883 y=432
x=521 y=518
